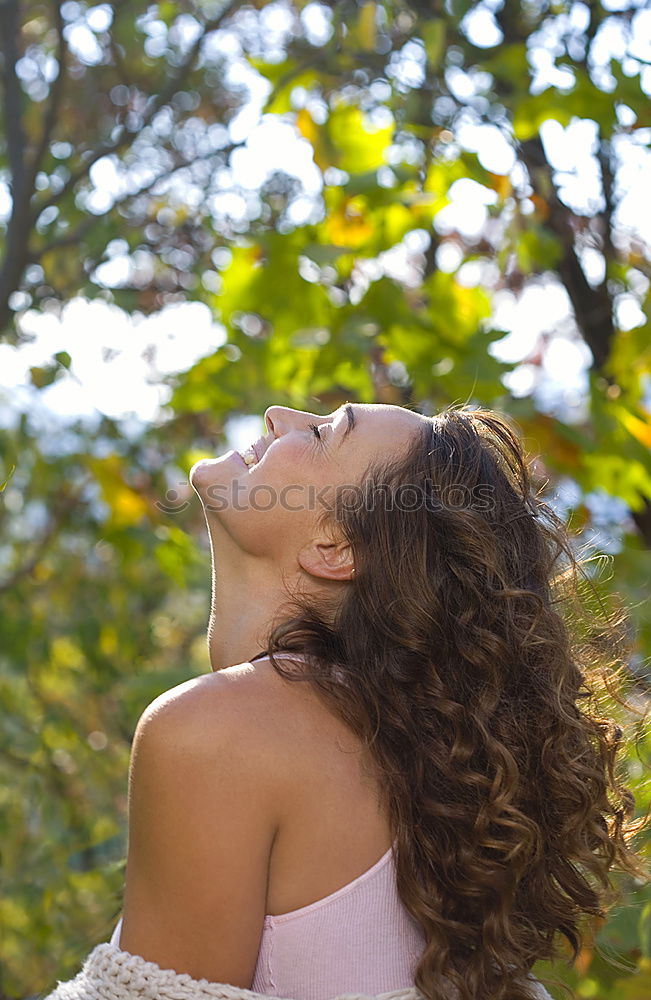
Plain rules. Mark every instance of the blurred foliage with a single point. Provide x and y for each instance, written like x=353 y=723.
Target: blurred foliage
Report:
x=115 y=147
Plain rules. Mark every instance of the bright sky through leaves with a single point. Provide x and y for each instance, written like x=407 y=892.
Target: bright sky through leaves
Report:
x=116 y=360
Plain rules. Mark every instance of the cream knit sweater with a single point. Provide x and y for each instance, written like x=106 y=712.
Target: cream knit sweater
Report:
x=109 y=973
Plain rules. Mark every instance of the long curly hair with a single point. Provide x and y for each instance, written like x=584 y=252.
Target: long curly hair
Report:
x=462 y=658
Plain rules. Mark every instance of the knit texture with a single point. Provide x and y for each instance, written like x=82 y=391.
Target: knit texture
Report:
x=112 y=974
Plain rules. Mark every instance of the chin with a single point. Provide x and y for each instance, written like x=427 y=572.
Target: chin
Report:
x=202 y=472
x=212 y=478
x=207 y=471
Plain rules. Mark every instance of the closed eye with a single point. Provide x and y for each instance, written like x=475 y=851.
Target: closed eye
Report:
x=317 y=432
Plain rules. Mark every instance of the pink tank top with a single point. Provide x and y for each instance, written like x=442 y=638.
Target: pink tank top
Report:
x=359 y=939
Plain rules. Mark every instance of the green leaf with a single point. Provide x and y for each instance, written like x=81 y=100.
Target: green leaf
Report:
x=8 y=476
x=434 y=32
x=44 y=375
x=645 y=931
x=63 y=358
x=530 y=113
x=359 y=145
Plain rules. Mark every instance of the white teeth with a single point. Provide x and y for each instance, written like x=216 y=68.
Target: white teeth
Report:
x=249 y=456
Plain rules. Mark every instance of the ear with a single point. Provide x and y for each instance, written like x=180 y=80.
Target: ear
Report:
x=327 y=559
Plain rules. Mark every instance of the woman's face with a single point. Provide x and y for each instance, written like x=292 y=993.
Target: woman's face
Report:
x=270 y=507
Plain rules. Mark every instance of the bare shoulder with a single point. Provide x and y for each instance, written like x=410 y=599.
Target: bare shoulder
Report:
x=203 y=816
x=243 y=706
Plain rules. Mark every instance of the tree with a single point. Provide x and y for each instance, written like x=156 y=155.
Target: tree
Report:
x=141 y=94
x=116 y=148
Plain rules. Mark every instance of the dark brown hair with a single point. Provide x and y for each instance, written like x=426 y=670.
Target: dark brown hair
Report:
x=462 y=658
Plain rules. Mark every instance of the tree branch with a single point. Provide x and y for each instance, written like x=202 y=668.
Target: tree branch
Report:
x=13 y=118
x=127 y=135
x=607 y=183
x=56 y=93
x=18 y=229
x=69 y=240
x=24 y=217
x=73 y=238
x=593 y=308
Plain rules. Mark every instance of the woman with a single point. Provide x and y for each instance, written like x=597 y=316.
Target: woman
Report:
x=394 y=774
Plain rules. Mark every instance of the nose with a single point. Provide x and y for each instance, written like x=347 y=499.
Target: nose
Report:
x=280 y=419
x=273 y=419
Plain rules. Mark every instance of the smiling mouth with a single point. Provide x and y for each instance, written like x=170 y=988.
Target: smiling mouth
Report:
x=250 y=457
x=256 y=451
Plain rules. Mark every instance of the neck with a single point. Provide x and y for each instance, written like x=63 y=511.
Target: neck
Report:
x=247 y=597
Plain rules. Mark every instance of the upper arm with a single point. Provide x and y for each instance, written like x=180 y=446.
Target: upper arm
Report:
x=201 y=826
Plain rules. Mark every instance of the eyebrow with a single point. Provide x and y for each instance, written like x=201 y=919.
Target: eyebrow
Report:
x=350 y=416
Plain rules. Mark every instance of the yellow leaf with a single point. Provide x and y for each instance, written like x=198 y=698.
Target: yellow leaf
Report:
x=358 y=146
x=640 y=429
x=127 y=506
x=66 y=653
x=306 y=125
x=347 y=226
x=396 y=221
x=14 y=915
x=108 y=640
x=502 y=184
